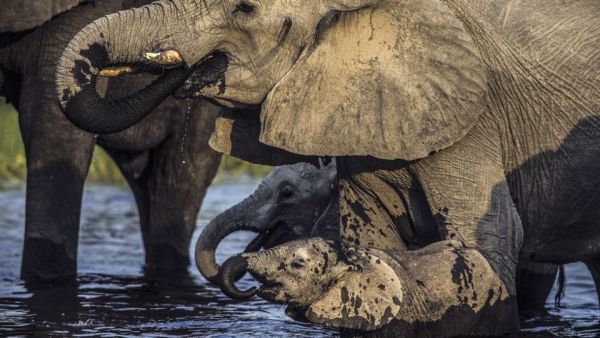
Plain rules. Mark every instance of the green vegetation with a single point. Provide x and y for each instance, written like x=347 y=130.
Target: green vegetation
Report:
x=103 y=170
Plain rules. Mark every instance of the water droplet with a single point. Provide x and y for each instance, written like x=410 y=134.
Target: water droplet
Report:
x=186 y=127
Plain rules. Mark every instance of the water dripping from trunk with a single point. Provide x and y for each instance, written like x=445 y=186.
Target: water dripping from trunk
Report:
x=186 y=128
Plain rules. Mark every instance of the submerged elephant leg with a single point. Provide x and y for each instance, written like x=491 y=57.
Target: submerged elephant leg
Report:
x=58 y=157
x=594 y=267
x=170 y=181
x=534 y=283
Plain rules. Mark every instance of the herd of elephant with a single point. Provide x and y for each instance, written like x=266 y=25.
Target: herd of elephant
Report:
x=437 y=160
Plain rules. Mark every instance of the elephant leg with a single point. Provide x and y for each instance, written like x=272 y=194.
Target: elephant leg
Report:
x=58 y=158
x=468 y=199
x=372 y=211
x=169 y=183
x=534 y=283
x=594 y=267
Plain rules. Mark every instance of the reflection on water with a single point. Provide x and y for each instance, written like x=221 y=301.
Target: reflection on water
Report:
x=113 y=297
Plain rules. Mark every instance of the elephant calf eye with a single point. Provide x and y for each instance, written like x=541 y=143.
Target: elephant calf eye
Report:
x=286 y=192
x=244 y=7
x=297 y=264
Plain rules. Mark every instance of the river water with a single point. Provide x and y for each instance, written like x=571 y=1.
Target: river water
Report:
x=113 y=297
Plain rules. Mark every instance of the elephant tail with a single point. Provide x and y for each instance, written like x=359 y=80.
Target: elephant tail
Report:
x=560 y=293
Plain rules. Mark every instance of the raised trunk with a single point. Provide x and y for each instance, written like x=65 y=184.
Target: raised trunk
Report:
x=117 y=39
x=237 y=218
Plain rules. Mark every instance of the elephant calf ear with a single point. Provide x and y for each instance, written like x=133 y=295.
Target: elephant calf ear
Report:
x=365 y=300
x=395 y=82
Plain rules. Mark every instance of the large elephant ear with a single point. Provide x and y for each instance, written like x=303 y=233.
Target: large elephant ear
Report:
x=362 y=300
x=20 y=15
x=397 y=80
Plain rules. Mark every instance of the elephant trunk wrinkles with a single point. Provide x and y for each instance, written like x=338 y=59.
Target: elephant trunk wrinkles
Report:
x=239 y=217
x=115 y=40
x=232 y=267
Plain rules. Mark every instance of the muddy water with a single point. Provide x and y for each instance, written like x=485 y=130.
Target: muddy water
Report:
x=113 y=297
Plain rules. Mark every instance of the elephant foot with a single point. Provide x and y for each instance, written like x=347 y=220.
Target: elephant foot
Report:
x=47 y=262
x=163 y=260
x=534 y=284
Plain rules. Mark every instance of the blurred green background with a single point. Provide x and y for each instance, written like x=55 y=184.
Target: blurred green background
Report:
x=103 y=170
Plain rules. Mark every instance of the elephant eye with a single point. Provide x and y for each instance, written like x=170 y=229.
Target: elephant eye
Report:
x=297 y=263
x=286 y=192
x=244 y=7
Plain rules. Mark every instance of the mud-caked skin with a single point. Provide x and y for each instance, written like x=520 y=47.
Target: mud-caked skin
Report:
x=369 y=292
x=451 y=120
x=165 y=159
x=292 y=202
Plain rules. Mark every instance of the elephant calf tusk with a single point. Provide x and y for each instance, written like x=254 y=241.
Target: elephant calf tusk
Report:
x=115 y=71
x=165 y=58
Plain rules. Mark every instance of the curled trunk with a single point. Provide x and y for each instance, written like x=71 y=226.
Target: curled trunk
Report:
x=117 y=39
x=232 y=267
x=237 y=218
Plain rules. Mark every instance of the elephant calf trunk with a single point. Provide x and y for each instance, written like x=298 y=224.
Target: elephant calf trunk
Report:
x=233 y=267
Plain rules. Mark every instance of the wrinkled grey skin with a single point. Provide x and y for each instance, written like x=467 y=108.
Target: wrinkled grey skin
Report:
x=167 y=165
x=454 y=120
x=371 y=293
x=292 y=202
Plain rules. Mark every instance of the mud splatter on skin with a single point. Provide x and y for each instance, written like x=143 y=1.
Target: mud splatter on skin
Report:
x=97 y=55
x=209 y=73
x=462 y=276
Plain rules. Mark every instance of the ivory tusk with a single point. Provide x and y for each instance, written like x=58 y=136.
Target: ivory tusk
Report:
x=115 y=71
x=164 y=58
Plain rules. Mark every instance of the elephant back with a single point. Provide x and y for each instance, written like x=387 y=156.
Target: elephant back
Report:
x=561 y=36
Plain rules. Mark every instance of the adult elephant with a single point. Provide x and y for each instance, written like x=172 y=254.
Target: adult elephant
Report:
x=165 y=158
x=472 y=121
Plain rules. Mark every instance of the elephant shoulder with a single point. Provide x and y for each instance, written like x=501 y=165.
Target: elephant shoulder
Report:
x=20 y=15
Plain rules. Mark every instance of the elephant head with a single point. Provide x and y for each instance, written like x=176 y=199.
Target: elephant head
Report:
x=387 y=78
x=319 y=285
x=293 y=202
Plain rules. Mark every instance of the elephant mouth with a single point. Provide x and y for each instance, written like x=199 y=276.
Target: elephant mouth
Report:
x=209 y=72
x=269 y=291
x=275 y=235
x=297 y=313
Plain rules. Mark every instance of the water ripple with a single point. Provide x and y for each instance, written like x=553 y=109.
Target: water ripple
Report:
x=114 y=297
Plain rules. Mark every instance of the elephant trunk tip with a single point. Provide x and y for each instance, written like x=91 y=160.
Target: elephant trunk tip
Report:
x=206 y=262
x=233 y=267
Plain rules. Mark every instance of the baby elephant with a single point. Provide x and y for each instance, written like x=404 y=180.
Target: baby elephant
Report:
x=292 y=202
x=370 y=293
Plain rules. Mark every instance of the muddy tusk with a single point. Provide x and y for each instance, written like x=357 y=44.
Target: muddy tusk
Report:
x=115 y=71
x=164 y=58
